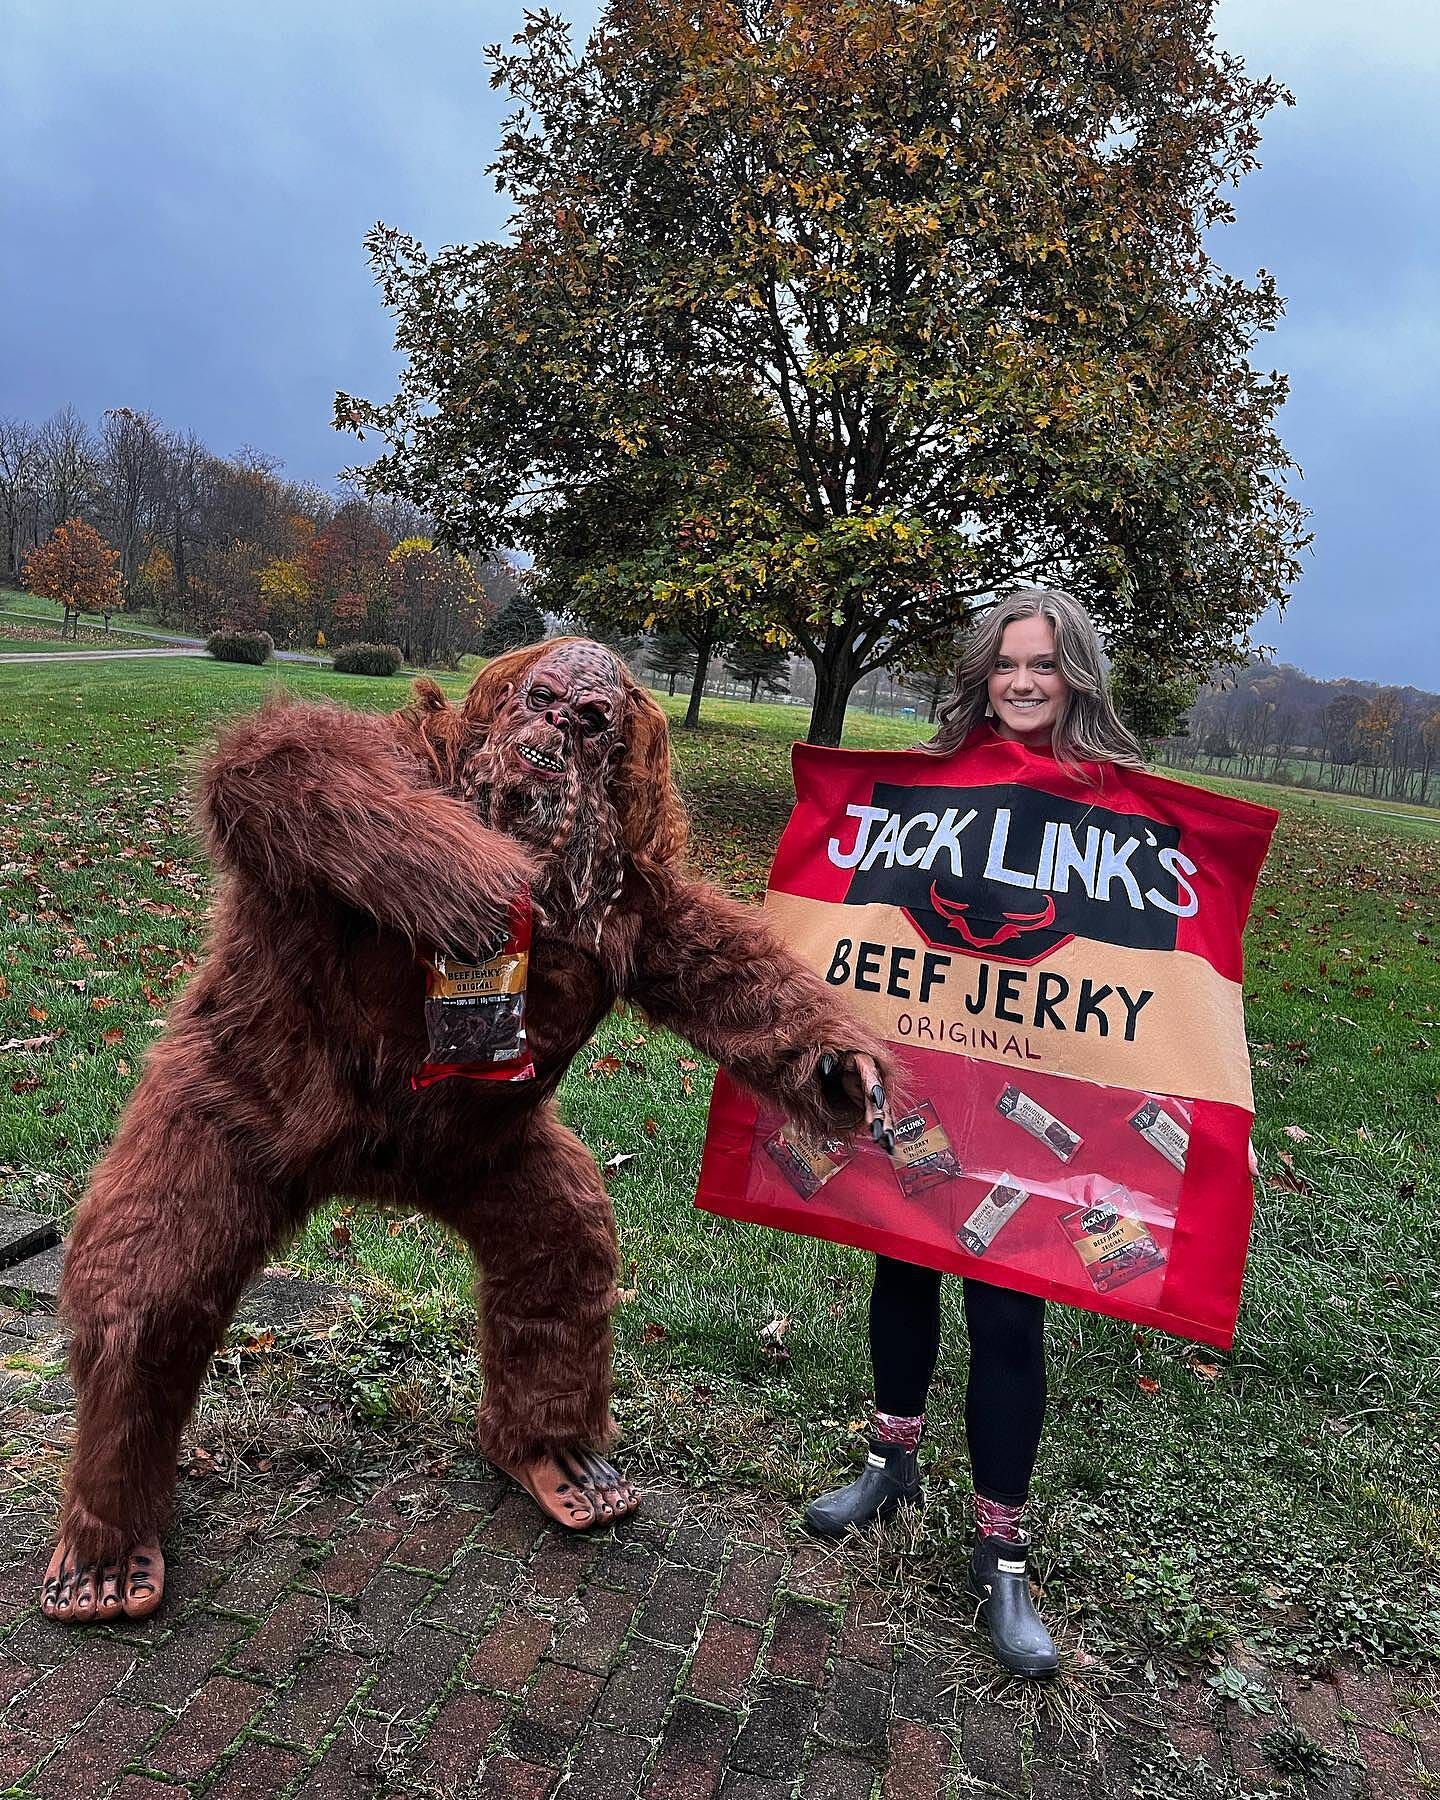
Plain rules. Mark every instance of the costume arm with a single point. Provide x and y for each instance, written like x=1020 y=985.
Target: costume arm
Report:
x=715 y=972
x=304 y=799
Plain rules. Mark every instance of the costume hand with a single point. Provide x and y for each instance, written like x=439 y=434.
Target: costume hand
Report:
x=849 y=1077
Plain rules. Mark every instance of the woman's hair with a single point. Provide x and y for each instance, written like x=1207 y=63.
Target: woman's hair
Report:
x=1089 y=730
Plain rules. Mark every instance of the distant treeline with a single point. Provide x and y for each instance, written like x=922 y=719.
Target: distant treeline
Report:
x=211 y=542
x=1273 y=722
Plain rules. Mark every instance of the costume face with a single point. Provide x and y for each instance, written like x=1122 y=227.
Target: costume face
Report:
x=544 y=774
x=561 y=722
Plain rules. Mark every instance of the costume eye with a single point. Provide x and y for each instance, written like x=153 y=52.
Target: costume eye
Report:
x=593 y=720
x=540 y=696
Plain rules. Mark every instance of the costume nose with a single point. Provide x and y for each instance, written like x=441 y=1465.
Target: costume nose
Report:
x=554 y=716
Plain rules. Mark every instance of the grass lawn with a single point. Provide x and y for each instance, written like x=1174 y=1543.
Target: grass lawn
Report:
x=1283 y=1493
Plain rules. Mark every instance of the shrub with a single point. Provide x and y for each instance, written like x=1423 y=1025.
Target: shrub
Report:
x=241 y=646
x=368 y=659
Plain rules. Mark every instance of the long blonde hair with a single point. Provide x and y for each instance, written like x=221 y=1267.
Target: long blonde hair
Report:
x=1089 y=729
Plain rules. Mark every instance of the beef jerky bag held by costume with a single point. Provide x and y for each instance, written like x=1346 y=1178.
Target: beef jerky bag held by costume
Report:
x=475 y=1011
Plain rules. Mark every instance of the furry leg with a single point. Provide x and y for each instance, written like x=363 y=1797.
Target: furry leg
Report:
x=168 y=1235
x=543 y=1234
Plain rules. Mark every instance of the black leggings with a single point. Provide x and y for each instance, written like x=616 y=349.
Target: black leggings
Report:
x=1005 y=1394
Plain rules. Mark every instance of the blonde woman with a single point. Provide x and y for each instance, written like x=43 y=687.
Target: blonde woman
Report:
x=1032 y=672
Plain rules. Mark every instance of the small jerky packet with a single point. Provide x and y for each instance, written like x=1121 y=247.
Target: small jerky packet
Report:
x=922 y=1157
x=475 y=1011
x=808 y=1163
x=991 y=1216
x=1114 y=1246
x=1163 y=1133
x=1031 y=1116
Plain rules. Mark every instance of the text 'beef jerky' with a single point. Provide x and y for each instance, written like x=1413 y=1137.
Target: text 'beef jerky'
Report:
x=922 y=1155
x=1031 y=1116
x=1115 y=1247
x=475 y=1011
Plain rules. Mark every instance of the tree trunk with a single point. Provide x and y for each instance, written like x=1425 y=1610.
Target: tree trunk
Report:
x=834 y=678
x=754 y=689
x=702 y=668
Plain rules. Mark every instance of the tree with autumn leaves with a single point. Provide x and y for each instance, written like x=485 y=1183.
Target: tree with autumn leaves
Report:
x=77 y=569
x=836 y=321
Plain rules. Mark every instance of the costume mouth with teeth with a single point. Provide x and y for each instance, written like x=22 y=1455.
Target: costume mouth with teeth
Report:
x=543 y=775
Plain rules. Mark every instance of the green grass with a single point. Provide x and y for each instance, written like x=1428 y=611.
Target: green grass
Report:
x=1284 y=1492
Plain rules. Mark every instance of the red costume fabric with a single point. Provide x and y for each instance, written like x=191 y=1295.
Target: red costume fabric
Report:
x=1054 y=955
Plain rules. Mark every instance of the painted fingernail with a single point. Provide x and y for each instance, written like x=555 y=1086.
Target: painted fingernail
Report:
x=890 y=1142
x=827 y=1064
x=877 y=1094
x=877 y=1129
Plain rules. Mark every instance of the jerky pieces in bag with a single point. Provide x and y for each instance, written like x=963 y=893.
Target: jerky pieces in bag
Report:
x=475 y=1011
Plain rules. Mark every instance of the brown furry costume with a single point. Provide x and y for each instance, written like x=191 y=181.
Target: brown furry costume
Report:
x=347 y=841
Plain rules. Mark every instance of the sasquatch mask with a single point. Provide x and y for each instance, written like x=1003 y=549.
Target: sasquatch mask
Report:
x=543 y=775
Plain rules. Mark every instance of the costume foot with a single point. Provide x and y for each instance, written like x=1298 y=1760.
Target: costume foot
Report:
x=89 y=1593
x=577 y=1488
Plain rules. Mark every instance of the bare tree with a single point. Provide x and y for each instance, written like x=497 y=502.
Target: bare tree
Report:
x=69 y=470
x=133 y=461
x=19 y=470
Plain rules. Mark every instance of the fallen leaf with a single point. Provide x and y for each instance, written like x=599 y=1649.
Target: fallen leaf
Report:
x=650 y=1128
x=1298 y=1133
x=1147 y=1384
x=605 y=1065
x=653 y=1333
x=39 y=1014
x=1206 y=1371
x=620 y=1158
x=113 y=1036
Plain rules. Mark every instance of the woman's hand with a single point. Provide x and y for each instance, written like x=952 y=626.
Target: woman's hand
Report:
x=850 y=1079
x=1253 y=1160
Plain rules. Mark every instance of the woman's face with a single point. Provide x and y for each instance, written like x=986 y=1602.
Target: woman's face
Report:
x=1027 y=691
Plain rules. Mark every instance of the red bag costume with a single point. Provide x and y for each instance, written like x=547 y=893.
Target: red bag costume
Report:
x=1055 y=955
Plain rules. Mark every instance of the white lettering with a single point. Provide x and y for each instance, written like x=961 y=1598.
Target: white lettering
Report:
x=1175 y=863
x=995 y=869
x=947 y=837
x=1070 y=859
x=867 y=815
x=1115 y=866
x=884 y=844
x=903 y=854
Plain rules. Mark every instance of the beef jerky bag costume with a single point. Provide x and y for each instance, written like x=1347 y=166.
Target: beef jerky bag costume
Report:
x=1054 y=953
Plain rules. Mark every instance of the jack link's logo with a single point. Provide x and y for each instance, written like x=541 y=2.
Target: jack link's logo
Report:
x=1012 y=873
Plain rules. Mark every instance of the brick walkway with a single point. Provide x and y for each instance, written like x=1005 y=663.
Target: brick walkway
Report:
x=428 y=1635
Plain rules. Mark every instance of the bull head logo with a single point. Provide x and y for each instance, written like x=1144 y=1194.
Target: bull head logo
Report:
x=1016 y=924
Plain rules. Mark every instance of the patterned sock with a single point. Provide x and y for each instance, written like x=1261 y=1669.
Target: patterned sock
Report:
x=994 y=1519
x=896 y=1428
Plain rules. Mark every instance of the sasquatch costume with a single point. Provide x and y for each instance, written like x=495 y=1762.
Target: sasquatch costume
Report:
x=351 y=845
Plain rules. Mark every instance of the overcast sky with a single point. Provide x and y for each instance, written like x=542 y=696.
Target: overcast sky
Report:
x=184 y=190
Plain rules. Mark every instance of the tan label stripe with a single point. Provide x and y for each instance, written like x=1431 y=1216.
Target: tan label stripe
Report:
x=1155 y=1021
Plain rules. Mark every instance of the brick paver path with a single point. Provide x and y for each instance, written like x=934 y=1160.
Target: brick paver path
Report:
x=426 y=1634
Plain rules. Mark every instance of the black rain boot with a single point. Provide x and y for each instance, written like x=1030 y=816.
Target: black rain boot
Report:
x=889 y=1480
x=999 y=1579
